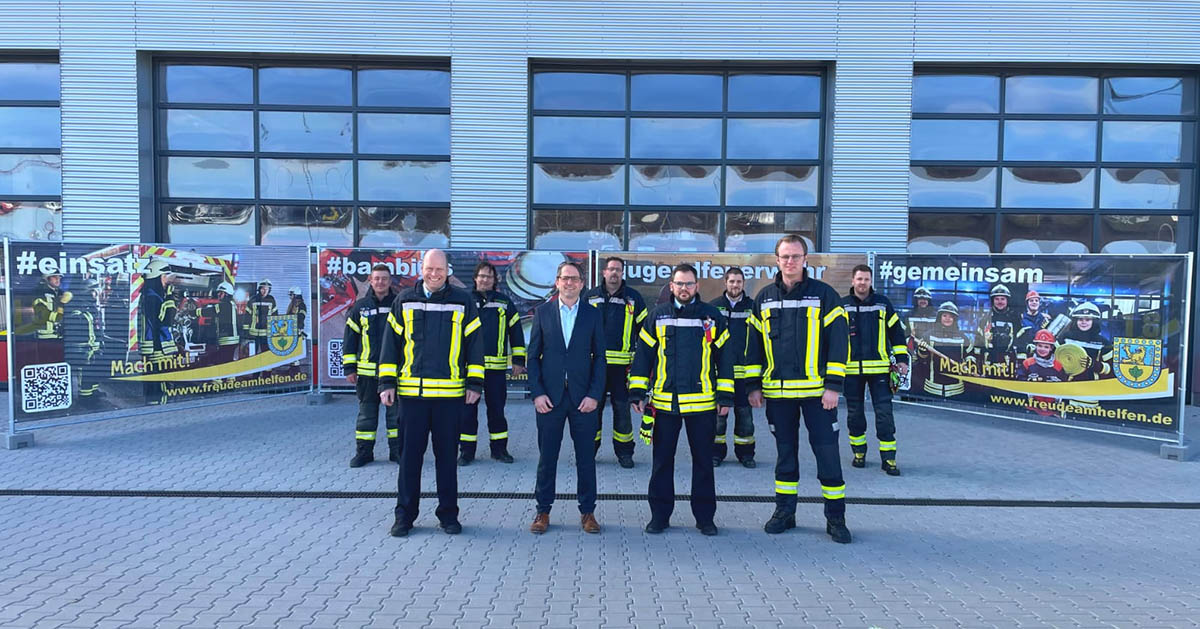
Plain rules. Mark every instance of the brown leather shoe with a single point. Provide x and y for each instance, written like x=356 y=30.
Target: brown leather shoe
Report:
x=589 y=524
x=541 y=522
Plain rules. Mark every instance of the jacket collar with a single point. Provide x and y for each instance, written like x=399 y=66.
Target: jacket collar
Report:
x=868 y=301
x=799 y=285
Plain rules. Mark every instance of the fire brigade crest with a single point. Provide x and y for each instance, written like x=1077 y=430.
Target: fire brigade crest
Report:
x=282 y=335
x=1138 y=361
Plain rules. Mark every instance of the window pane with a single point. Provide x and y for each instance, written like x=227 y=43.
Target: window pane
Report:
x=675 y=137
x=579 y=184
x=1045 y=140
x=201 y=177
x=567 y=230
x=1046 y=233
x=675 y=185
x=209 y=130
x=393 y=180
x=305 y=179
x=30 y=174
x=208 y=84
x=950 y=233
x=676 y=92
x=673 y=231
x=404 y=134
x=302 y=224
x=1155 y=95
x=578 y=137
x=305 y=132
x=774 y=92
x=952 y=186
x=771 y=185
x=579 y=90
x=27 y=127
x=1145 y=188
x=1050 y=94
x=954 y=139
x=757 y=232
x=1144 y=141
x=31 y=220
x=209 y=224
x=304 y=86
x=1143 y=234
x=383 y=87
x=403 y=227
x=1048 y=187
x=764 y=138
x=956 y=93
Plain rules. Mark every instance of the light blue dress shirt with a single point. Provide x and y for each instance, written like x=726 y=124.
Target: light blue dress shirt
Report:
x=566 y=315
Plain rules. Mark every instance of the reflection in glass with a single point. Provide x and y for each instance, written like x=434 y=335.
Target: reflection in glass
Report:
x=956 y=93
x=952 y=186
x=574 y=230
x=200 y=177
x=666 y=138
x=675 y=185
x=1145 y=188
x=676 y=92
x=31 y=220
x=209 y=130
x=974 y=140
x=304 y=86
x=305 y=132
x=1050 y=140
x=1153 y=95
x=774 y=92
x=315 y=179
x=30 y=174
x=579 y=184
x=1046 y=233
x=555 y=136
x=673 y=231
x=1146 y=141
x=403 y=227
x=304 y=224
x=208 y=84
x=29 y=81
x=950 y=232
x=771 y=185
x=1050 y=94
x=757 y=232
x=579 y=90
x=392 y=87
x=29 y=127
x=408 y=134
x=1143 y=234
x=1048 y=187
x=394 y=180
x=766 y=138
x=210 y=224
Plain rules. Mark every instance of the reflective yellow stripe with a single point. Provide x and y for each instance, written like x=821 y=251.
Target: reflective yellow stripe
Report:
x=742 y=441
x=495 y=362
x=623 y=437
x=396 y=327
x=364 y=435
x=639 y=382
x=785 y=487
x=406 y=371
x=502 y=328
x=519 y=351
x=471 y=438
x=387 y=370
x=431 y=383
x=887 y=446
x=838 y=311
x=627 y=330
x=456 y=337
x=514 y=319
x=753 y=371
x=882 y=338
x=660 y=332
x=812 y=343
x=860 y=440
x=768 y=347
x=833 y=493
x=366 y=339
x=719 y=439
x=725 y=385
x=893 y=320
x=474 y=371
x=645 y=336
x=739 y=372
x=498 y=435
x=705 y=366
x=349 y=359
x=352 y=325
x=471 y=327
x=900 y=350
x=642 y=315
x=834 y=369
x=393 y=433
x=615 y=357
x=721 y=340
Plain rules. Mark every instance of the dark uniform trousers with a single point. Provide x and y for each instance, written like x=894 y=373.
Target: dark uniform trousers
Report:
x=856 y=413
x=616 y=389
x=822 y=437
x=495 y=395
x=743 y=426
x=421 y=419
x=367 y=389
x=550 y=433
x=701 y=429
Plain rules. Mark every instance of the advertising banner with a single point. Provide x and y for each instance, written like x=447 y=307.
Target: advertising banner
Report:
x=1089 y=341
x=99 y=327
x=527 y=277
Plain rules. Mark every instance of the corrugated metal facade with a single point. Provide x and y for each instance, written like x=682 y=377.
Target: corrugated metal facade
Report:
x=871 y=44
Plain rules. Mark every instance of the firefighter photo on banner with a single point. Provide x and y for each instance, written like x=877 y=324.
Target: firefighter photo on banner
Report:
x=104 y=327
x=1090 y=339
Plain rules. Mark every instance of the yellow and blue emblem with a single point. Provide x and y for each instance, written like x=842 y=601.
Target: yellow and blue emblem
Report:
x=1138 y=362
x=282 y=334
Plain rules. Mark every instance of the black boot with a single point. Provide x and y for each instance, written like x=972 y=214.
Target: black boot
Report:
x=394 y=450
x=889 y=466
x=500 y=452
x=364 y=452
x=782 y=520
x=836 y=527
x=466 y=457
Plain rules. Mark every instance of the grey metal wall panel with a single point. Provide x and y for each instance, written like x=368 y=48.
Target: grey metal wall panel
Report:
x=29 y=26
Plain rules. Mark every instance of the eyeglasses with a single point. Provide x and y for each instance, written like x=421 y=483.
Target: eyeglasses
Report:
x=789 y=258
x=683 y=284
x=570 y=278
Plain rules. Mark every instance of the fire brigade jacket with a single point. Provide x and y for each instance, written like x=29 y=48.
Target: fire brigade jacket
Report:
x=261 y=308
x=366 y=325
x=801 y=341
x=433 y=349
x=225 y=317
x=622 y=312
x=875 y=332
x=500 y=324
x=737 y=317
x=48 y=311
x=680 y=359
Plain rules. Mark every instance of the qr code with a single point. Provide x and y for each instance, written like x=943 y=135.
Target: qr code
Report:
x=45 y=387
x=335 y=359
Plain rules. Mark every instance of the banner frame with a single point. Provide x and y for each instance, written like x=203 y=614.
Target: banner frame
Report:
x=1184 y=364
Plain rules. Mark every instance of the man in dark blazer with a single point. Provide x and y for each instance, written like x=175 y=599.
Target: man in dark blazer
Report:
x=566 y=366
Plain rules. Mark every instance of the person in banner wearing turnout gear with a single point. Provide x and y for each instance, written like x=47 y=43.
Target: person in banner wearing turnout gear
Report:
x=801 y=342
x=84 y=338
x=1033 y=319
x=261 y=307
x=998 y=327
x=946 y=342
x=362 y=343
x=296 y=306
x=500 y=327
x=223 y=313
x=156 y=315
x=48 y=307
x=923 y=314
x=623 y=310
x=1085 y=353
x=682 y=367
x=432 y=362
x=736 y=306
x=876 y=337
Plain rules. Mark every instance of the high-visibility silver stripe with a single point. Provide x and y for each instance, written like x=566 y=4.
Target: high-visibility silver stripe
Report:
x=680 y=323
x=739 y=315
x=807 y=302
x=420 y=305
x=374 y=311
x=1084 y=344
x=875 y=308
x=496 y=304
x=939 y=339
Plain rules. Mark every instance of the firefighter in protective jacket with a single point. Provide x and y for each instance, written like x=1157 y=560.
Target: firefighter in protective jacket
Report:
x=946 y=343
x=737 y=307
x=998 y=327
x=223 y=313
x=362 y=343
x=261 y=307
